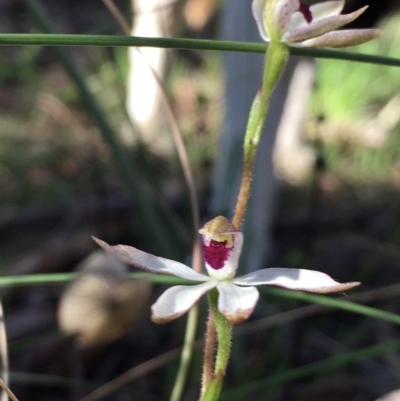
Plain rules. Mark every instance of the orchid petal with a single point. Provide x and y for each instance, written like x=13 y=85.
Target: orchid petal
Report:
x=342 y=38
x=297 y=21
x=283 y=13
x=294 y=279
x=326 y=9
x=322 y=26
x=236 y=303
x=177 y=300
x=258 y=13
x=154 y=264
x=318 y=11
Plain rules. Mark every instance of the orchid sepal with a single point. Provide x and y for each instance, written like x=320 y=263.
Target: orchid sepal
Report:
x=236 y=303
x=294 y=279
x=151 y=263
x=343 y=38
x=321 y=27
x=177 y=300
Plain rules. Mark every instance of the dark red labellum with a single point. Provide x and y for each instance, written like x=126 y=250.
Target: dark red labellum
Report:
x=216 y=254
x=305 y=10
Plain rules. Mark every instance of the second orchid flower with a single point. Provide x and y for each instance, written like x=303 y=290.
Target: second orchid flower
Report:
x=300 y=25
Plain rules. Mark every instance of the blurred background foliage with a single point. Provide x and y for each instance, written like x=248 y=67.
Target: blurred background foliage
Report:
x=355 y=110
x=60 y=184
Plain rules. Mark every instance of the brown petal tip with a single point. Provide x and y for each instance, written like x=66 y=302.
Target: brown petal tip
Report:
x=103 y=244
x=344 y=38
x=160 y=320
x=239 y=317
x=338 y=288
x=164 y=319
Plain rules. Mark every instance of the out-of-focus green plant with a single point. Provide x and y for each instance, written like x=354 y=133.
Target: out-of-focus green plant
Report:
x=357 y=108
x=346 y=91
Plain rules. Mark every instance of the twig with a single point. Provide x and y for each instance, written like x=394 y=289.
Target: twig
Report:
x=116 y=13
x=209 y=353
x=132 y=374
x=8 y=391
x=5 y=366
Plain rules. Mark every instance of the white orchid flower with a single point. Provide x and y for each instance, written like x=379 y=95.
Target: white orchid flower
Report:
x=300 y=25
x=222 y=245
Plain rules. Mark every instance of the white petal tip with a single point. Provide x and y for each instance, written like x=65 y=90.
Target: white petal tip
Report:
x=236 y=303
x=295 y=279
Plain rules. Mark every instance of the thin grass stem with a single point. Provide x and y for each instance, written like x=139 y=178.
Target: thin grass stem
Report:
x=332 y=302
x=181 y=43
x=5 y=364
x=8 y=391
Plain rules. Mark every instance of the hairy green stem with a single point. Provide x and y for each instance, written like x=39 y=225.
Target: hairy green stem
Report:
x=224 y=336
x=275 y=61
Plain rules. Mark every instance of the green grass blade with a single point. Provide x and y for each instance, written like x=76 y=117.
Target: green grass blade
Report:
x=186 y=354
x=180 y=43
x=333 y=303
x=61 y=278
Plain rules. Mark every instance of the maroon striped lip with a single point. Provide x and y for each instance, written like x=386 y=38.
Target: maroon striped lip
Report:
x=216 y=253
x=305 y=10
